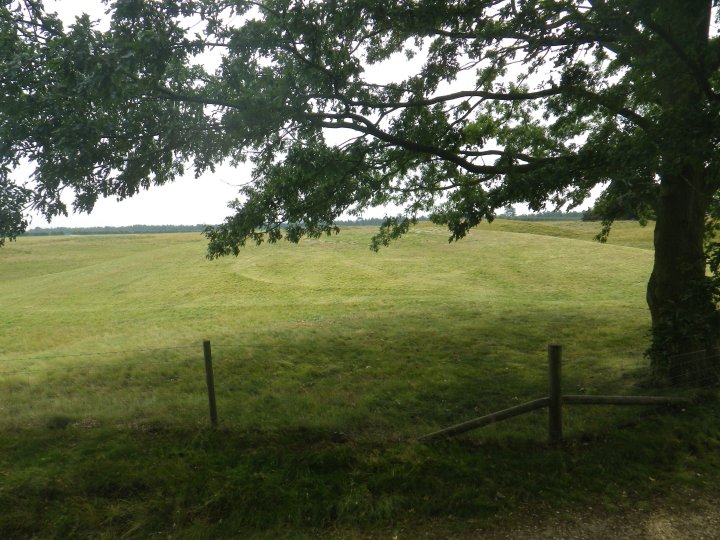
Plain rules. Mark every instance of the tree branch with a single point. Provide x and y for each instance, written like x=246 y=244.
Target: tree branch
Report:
x=624 y=112
x=694 y=68
x=499 y=96
x=336 y=121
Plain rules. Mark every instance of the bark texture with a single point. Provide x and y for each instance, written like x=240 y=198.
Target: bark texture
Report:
x=684 y=316
x=685 y=325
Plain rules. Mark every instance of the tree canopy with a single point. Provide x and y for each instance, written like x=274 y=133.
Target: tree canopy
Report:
x=490 y=103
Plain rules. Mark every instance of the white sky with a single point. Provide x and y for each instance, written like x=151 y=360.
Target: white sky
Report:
x=187 y=201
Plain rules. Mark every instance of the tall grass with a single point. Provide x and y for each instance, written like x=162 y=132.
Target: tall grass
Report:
x=330 y=360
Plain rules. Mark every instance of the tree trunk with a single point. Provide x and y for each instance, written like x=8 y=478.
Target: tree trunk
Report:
x=685 y=323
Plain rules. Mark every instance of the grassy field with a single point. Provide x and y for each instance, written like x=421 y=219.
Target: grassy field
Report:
x=330 y=361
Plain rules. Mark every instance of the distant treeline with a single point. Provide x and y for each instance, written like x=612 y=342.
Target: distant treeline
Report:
x=540 y=216
x=128 y=229
x=376 y=222
x=587 y=215
x=549 y=216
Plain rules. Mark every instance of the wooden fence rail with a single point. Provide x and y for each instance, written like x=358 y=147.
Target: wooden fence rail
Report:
x=554 y=402
x=489 y=419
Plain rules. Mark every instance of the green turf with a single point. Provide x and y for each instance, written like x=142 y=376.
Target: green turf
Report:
x=329 y=361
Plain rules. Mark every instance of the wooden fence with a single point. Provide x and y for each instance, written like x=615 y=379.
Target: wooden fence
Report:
x=554 y=402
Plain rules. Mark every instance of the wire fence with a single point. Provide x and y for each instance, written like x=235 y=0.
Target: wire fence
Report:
x=699 y=368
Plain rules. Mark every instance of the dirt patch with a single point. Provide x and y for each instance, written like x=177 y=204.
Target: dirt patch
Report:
x=701 y=524
x=693 y=518
x=697 y=519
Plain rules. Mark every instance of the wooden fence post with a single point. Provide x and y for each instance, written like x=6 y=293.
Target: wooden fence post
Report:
x=555 y=396
x=210 y=383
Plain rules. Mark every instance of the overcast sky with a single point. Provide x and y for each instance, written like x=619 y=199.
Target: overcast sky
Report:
x=187 y=201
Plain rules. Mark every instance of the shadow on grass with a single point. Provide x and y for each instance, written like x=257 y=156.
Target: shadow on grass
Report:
x=319 y=431
x=80 y=482
x=397 y=374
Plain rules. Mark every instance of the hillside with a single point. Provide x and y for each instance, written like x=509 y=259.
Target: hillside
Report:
x=330 y=360
x=89 y=294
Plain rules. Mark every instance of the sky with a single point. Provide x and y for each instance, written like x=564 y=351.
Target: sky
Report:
x=187 y=201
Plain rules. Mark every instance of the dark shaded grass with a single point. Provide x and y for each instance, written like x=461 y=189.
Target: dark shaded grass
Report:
x=140 y=482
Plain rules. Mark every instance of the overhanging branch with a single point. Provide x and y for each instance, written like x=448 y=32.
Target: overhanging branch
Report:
x=336 y=121
x=482 y=94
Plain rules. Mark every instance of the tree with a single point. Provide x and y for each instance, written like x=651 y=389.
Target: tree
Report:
x=512 y=101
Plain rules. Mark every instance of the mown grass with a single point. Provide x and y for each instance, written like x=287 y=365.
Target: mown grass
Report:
x=329 y=362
